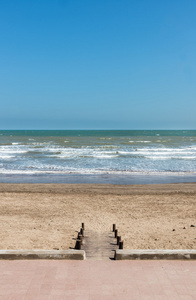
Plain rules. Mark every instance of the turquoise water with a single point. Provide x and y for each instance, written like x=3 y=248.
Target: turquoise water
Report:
x=98 y=133
x=55 y=154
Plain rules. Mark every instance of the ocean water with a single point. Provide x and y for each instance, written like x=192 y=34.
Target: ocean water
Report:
x=125 y=156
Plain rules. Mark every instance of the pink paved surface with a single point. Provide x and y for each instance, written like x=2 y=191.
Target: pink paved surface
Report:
x=41 y=279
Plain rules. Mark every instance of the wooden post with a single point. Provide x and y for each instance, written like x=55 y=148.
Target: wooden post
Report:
x=118 y=239
x=116 y=233
x=121 y=245
x=82 y=231
x=78 y=245
x=83 y=226
x=80 y=238
x=114 y=227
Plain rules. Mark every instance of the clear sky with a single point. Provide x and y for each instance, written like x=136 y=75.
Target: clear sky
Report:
x=97 y=64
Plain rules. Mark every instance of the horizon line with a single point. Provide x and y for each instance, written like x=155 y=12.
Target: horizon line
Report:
x=86 y=129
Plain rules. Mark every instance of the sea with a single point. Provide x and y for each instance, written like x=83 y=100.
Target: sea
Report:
x=98 y=156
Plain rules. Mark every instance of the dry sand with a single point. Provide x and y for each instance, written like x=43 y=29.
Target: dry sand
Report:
x=47 y=216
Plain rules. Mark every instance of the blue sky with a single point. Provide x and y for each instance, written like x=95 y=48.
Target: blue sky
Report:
x=107 y=64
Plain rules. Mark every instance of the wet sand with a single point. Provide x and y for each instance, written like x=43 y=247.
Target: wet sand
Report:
x=47 y=216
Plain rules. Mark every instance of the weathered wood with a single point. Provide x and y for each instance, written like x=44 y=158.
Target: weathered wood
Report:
x=99 y=246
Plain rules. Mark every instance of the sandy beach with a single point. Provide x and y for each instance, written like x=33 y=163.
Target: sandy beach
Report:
x=47 y=216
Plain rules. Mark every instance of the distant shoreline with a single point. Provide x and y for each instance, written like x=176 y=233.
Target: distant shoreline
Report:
x=121 y=179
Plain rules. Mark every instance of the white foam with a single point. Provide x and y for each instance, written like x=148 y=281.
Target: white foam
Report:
x=12 y=151
x=6 y=156
x=159 y=157
x=96 y=172
x=102 y=156
x=139 y=142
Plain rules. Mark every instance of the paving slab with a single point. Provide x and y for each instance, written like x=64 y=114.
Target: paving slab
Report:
x=97 y=279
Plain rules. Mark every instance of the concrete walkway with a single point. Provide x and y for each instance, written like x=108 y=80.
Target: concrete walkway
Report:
x=101 y=280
